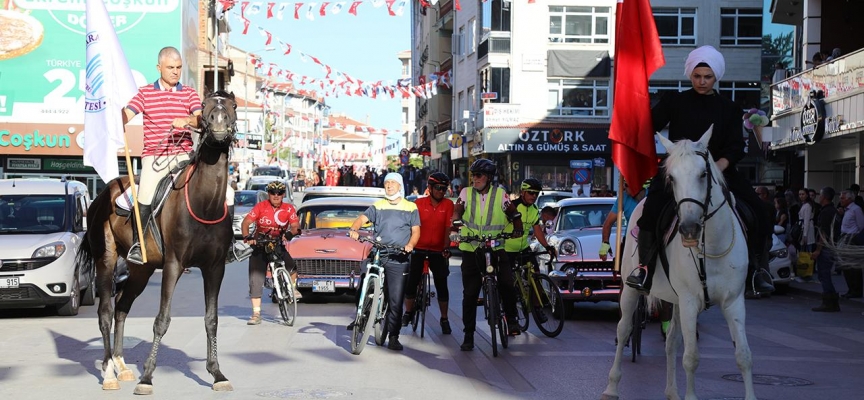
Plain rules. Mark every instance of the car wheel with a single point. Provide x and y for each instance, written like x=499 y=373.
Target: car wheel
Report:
x=70 y=308
x=88 y=298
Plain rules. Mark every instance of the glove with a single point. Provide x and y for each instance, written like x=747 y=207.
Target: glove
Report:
x=552 y=253
x=605 y=248
x=517 y=234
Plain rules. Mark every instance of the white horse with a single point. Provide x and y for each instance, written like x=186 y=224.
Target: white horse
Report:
x=707 y=225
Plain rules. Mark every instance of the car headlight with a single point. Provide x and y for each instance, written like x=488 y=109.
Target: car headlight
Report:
x=53 y=250
x=780 y=253
x=568 y=248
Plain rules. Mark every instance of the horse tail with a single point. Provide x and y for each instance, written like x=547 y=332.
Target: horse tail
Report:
x=846 y=255
x=84 y=256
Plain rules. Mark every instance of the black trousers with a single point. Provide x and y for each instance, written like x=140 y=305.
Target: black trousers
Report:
x=258 y=268
x=659 y=194
x=395 y=276
x=473 y=264
x=440 y=269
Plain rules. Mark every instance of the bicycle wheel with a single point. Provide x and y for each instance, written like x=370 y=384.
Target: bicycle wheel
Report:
x=418 y=305
x=364 y=321
x=503 y=327
x=491 y=304
x=549 y=313
x=381 y=319
x=639 y=321
x=287 y=304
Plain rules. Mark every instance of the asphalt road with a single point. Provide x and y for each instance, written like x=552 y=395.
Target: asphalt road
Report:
x=50 y=357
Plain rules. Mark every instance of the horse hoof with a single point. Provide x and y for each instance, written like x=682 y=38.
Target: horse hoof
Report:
x=126 y=375
x=223 y=386
x=110 y=384
x=608 y=397
x=143 y=389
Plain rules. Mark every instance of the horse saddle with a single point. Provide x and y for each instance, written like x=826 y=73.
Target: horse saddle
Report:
x=124 y=201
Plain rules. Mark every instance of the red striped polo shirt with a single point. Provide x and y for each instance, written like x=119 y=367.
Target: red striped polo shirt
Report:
x=160 y=108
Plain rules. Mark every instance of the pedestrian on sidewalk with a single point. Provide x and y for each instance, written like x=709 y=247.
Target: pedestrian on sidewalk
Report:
x=853 y=223
x=827 y=232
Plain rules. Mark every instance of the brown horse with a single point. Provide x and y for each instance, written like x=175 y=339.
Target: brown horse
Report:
x=196 y=231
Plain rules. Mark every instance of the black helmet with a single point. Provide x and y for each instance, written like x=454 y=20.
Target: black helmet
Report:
x=276 y=186
x=439 y=178
x=532 y=184
x=484 y=166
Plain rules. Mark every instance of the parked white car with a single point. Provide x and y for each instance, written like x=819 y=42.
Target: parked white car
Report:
x=41 y=226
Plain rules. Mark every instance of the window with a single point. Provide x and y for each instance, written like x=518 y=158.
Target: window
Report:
x=459 y=42
x=495 y=16
x=470 y=45
x=741 y=26
x=744 y=94
x=405 y=65
x=578 y=24
x=499 y=82
x=579 y=97
x=676 y=25
x=472 y=99
x=461 y=104
x=404 y=115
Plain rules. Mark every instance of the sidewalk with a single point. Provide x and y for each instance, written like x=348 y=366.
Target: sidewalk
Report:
x=814 y=288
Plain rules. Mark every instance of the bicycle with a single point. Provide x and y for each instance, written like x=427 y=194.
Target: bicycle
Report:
x=372 y=307
x=283 y=285
x=537 y=294
x=640 y=322
x=492 y=304
x=424 y=294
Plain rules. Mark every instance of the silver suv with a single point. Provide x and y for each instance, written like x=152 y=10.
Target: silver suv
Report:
x=41 y=226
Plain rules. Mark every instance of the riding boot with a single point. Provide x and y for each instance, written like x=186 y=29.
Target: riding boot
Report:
x=640 y=278
x=468 y=344
x=135 y=255
x=758 y=278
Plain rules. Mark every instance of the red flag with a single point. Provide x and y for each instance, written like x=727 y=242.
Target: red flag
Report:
x=637 y=55
x=457 y=5
x=245 y=26
x=287 y=48
x=323 y=10
x=390 y=7
x=297 y=10
x=353 y=9
x=270 y=10
x=243 y=6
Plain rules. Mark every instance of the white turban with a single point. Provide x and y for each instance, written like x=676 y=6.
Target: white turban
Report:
x=708 y=55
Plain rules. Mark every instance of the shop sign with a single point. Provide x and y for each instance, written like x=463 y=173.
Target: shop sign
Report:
x=489 y=96
x=456 y=140
x=533 y=62
x=254 y=142
x=57 y=164
x=33 y=164
x=599 y=162
x=33 y=139
x=500 y=115
x=55 y=68
x=442 y=142
x=553 y=140
x=813 y=118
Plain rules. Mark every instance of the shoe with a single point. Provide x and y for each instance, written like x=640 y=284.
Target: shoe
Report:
x=830 y=303
x=135 y=255
x=394 y=344
x=636 y=280
x=407 y=317
x=297 y=295
x=254 y=320
x=514 y=330
x=445 y=326
x=751 y=295
x=351 y=326
x=468 y=344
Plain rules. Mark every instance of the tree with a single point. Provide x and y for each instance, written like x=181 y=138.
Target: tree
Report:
x=774 y=50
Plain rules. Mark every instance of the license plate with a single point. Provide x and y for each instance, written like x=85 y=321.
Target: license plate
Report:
x=9 y=283
x=324 y=286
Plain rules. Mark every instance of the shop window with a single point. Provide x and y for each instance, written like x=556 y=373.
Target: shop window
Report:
x=844 y=174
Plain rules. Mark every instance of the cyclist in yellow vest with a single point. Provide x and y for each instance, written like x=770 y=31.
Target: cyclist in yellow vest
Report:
x=484 y=209
x=526 y=205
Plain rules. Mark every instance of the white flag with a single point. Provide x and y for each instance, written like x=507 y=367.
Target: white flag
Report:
x=110 y=86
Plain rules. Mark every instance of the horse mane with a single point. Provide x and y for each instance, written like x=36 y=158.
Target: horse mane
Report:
x=686 y=148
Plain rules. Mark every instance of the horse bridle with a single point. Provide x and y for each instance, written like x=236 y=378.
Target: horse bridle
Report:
x=220 y=105
x=707 y=202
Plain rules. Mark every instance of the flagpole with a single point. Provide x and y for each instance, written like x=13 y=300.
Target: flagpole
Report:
x=131 y=175
x=620 y=214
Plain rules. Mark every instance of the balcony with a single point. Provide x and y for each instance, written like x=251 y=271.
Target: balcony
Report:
x=495 y=43
x=446 y=8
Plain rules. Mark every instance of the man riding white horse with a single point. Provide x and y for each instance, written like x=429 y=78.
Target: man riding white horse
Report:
x=689 y=114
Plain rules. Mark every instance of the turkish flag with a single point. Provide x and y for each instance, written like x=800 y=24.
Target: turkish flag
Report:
x=637 y=55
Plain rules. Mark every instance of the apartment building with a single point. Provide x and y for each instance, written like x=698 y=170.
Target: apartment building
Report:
x=532 y=82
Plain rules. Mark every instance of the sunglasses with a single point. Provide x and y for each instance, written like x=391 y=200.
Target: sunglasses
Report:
x=532 y=192
x=479 y=175
x=277 y=192
x=440 y=188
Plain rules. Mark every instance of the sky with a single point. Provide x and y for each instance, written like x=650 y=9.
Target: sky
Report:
x=772 y=29
x=364 y=46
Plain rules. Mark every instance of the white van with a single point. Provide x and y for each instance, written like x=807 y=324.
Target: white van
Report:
x=41 y=227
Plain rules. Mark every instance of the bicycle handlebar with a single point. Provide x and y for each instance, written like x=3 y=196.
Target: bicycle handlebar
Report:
x=380 y=246
x=481 y=238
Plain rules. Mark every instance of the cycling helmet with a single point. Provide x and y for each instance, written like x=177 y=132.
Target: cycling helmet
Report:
x=532 y=184
x=276 y=186
x=484 y=166
x=439 y=178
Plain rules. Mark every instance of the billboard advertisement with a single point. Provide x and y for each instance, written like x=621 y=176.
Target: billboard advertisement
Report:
x=42 y=53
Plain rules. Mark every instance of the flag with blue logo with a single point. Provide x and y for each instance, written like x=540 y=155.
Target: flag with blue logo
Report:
x=109 y=88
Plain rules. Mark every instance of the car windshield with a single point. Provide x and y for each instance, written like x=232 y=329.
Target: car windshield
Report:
x=245 y=198
x=268 y=171
x=330 y=216
x=21 y=214
x=548 y=200
x=582 y=216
